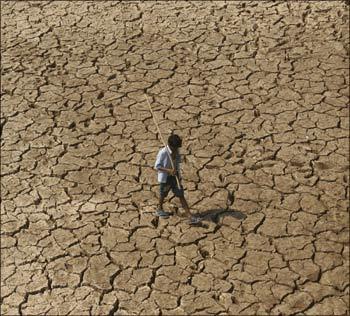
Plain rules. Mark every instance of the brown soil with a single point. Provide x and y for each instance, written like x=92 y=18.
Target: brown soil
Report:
x=259 y=93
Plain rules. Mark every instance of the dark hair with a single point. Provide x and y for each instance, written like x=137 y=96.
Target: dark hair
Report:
x=174 y=141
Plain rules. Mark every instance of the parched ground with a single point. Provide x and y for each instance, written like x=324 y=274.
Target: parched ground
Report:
x=259 y=93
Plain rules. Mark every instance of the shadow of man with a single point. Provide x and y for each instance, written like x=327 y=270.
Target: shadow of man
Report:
x=215 y=215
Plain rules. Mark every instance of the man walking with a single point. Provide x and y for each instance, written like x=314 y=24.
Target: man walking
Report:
x=168 y=166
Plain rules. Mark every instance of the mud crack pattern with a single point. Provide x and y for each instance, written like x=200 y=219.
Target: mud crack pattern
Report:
x=259 y=93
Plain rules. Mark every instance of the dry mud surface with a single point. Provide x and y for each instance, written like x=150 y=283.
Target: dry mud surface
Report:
x=259 y=93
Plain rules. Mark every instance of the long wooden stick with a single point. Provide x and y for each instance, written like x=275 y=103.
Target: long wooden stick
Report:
x=162 y=139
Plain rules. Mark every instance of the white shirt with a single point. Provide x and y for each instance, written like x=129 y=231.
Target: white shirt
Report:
x=164 y=161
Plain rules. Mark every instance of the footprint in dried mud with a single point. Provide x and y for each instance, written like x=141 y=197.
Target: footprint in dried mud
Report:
x=204 y=253
x=112 y=77
x=155 y=222
x=296 y=164
x=322 y=166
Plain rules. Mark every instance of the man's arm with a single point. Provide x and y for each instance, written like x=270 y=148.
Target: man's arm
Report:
x=170 y=171
x=159 y=164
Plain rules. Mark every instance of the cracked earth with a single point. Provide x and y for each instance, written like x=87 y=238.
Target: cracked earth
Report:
x=259 y=94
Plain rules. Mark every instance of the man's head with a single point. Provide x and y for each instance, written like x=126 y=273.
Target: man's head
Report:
x=174 y=141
